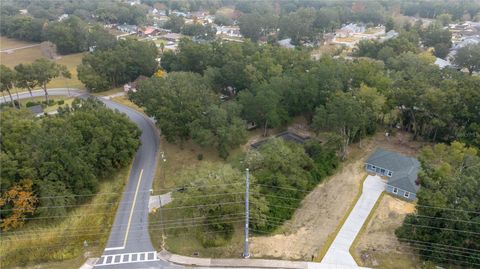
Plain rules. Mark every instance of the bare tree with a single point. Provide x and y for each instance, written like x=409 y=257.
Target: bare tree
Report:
x=49 y=49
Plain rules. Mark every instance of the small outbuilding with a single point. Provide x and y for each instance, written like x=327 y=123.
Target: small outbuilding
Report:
x=400 y=170
x=287 y=136
x=36 y=110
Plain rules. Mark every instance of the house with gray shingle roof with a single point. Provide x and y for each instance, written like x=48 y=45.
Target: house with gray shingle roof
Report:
x=400 y=170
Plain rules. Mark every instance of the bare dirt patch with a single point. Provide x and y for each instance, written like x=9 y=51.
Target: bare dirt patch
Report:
x=321 y=211
x=378 y=245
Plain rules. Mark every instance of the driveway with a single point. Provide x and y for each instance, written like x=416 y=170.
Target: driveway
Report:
x=339 y=251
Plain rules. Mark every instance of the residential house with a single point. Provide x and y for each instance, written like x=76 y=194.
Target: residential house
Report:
x=128 y=28
x=132 y=86
x=173 y=37
x=389 y=35
x=63 y=17
x=148 y=31
x=229 y=31
x=401 y=172
x=286 y=43
x=349 y=30
x=441 y=63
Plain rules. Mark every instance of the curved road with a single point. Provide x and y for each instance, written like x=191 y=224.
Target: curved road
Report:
x=129 y=244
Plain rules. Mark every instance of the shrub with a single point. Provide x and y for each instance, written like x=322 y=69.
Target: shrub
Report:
x=31 y=103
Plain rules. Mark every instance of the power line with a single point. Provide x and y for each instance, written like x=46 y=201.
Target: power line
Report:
x=458 y=220
x=239 y=219
x=440 y=228
x=126 y=202
x=36 y=232
x=125 y=192
x=446 y=208
x=92 y=214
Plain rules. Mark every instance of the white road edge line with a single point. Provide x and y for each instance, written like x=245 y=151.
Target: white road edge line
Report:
x=133 y=207
x=130 y=217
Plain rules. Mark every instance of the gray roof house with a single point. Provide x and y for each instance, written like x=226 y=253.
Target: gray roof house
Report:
x=287 y=136
x=400 y=170
x=36 y=110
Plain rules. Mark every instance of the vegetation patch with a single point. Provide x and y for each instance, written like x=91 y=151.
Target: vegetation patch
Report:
x=52 y=168
x=62 y=239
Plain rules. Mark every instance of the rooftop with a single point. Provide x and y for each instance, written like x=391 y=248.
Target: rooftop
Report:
x=405 y=169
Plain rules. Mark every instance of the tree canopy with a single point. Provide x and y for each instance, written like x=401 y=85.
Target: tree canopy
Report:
x=447 y=209
x=124 y=62
x=59 y=156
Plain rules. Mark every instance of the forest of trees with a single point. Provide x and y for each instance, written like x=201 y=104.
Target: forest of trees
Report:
x=446 y=224
x=274 y=85
x=66 y=155
x=117 y=64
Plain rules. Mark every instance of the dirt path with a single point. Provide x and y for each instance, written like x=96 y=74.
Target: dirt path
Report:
x=324 y=207
x=10 y=50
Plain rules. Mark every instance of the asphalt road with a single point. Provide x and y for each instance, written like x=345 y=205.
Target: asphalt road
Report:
x=129 y=233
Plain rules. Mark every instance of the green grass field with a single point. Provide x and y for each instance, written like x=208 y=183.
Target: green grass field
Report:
x=29 y=55
x=60 y=241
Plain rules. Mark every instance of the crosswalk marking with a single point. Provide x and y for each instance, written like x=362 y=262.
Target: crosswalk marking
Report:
x=127 y=258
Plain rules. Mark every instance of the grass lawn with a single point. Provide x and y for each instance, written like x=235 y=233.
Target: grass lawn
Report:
x=29 y=55
x=61 y=239
x=67 y=101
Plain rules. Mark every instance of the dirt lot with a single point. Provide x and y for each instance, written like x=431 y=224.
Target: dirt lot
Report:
x=324 y=207
x=378 y=245
x=29 y=55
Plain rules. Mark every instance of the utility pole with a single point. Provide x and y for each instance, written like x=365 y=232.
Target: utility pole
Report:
x=245 y=249
x=164 y=159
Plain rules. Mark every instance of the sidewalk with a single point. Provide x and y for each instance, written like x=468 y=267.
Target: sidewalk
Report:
x=339 y=251
x=244 y=263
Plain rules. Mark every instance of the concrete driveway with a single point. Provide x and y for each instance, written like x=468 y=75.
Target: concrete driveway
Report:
x=339 y=251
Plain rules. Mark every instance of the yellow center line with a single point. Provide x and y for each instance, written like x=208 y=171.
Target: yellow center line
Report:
x=133 y=207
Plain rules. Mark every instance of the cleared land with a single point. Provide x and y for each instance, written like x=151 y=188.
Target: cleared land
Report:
x=29 y=55
x=315 y=222
x=377 y=245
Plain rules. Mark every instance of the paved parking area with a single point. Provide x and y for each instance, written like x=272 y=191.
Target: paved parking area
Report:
x=339 y=253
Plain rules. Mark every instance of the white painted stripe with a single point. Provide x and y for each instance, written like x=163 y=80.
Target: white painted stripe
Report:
x=129 y=259
x=130 y=217
x=115 y=248
x=133 y=207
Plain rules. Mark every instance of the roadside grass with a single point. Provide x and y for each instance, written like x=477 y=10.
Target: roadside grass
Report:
x=72 y=263
x=126 y=102
x=67 y=101
x=331 y=237
x=62 y=238
x=397 y=261
x=185 y=241
x=29 y=55
x=178 y=158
